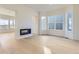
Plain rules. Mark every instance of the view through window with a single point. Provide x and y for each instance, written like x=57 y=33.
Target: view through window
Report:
x=43 y=23
x=69 y=22
x=56 y=22
x=7 y=23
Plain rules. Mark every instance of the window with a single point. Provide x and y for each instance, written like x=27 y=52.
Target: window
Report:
x=7 y=23
x=59 y=19
x=51 y=25
x=59 y=22
x=51 y=22
x=43 y=23
x=59 y=26
x=4 y=24
x=12 y=24
x=69 y=22
x=56 y=22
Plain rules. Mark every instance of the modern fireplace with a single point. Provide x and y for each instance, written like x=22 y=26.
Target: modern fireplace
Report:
x=25 y=31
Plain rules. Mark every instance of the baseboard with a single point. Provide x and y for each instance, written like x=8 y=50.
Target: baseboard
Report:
x=53 y=35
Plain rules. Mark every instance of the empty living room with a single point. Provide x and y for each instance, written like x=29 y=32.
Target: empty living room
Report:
x=39 y=28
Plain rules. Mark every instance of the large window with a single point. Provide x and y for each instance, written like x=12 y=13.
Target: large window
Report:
x=7 y=24
x=43 y=23
x=56 y=22
x=59 y=26
x=51 y=22
x=4 y=24
x=59 y=22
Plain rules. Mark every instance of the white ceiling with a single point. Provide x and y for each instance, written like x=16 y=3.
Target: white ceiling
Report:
x=37 y=7
x=45 y=7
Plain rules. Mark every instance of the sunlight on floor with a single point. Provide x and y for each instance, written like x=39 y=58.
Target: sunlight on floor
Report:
x=47 y=50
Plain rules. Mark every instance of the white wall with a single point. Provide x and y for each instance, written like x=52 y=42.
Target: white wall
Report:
x=35 y=24
x=24 y=19
x=76 y=22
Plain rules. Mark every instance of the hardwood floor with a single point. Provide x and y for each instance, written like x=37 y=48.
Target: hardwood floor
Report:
x=37 y=45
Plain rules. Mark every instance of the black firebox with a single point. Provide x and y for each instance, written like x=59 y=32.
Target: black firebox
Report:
x=25 y=31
